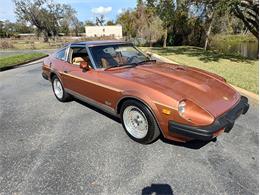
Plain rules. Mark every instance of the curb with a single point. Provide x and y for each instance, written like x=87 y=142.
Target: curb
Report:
x=29 y=62
x=249 y=94
x=160 y=58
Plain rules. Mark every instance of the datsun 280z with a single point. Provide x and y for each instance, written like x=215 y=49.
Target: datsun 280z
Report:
x=151 y=98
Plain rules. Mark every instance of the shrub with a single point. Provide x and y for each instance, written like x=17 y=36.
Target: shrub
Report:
x=5 y=44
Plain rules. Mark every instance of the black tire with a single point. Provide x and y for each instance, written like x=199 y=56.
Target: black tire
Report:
x=153 y=129
x=65 y=96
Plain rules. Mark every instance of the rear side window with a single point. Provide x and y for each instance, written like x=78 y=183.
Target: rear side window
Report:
x=61 y=54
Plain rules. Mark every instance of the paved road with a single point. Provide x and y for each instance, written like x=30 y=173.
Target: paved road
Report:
x=48 y=147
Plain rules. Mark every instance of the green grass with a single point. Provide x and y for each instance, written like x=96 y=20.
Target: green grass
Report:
x=236 y=70
x=13 y=60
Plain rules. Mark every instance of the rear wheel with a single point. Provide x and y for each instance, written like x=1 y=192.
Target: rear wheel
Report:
x=138 y=122
x=58 y=90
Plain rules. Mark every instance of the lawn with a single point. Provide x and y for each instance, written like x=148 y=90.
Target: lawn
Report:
x=13 y=60
x=236 y=70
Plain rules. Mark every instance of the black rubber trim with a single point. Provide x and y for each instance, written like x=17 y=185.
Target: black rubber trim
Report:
x=205 y=133
x=45 y=76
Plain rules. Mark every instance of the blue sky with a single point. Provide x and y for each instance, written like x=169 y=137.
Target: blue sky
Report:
x=86 y=9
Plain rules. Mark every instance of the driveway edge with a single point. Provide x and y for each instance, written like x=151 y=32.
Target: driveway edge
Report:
x=249 y=94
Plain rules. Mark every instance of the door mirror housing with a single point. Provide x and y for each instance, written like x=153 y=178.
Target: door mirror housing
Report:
x=149 y=54
x=84 y=66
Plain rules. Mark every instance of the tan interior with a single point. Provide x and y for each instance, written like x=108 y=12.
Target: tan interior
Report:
x=118 y=58
x=77 y=60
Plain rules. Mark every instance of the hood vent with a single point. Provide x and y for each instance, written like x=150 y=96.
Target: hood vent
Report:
x=180 y=68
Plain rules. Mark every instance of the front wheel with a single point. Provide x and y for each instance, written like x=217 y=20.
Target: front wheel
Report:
x=58 y=90
x=138 y=122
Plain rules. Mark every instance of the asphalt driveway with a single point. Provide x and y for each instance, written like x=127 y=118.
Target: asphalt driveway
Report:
x=48 y=147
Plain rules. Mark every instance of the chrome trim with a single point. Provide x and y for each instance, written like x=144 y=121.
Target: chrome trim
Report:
x=92 y=102
x=67 y=54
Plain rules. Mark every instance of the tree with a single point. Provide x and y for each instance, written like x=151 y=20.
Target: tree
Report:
x=89 y=23
x=110 y=22
x=215 y=10
x=149 y=26
x=248 y=12
x=81 y=27
x=211 y=9
x=165 y=10
x=128 y=21
x=68 y=20
x=181 y=24
x=45 y=15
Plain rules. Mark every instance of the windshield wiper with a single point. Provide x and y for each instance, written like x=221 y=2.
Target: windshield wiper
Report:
x=145 y=61
x=120 y=65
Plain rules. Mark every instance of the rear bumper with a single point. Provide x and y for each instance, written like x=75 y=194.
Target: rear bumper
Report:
x=206 y=133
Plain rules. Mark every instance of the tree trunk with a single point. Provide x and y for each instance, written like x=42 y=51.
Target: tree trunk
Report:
x=45 y=37
x=165 y=38
x=209 y=30
x=250 y=22
x=151 y=41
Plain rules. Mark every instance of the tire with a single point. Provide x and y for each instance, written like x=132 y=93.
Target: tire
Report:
x=58 y=90
x=139 y=122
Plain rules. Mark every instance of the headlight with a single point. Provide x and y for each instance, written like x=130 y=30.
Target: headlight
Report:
x=181 y=107
x=193 y=113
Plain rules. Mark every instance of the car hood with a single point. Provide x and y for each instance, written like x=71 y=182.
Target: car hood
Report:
x=181 y=82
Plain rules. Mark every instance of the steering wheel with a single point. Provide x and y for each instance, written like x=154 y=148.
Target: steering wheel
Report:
x=131 y=59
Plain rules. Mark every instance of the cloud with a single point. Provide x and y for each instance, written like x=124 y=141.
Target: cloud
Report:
x=120 y=11
x=101 y=10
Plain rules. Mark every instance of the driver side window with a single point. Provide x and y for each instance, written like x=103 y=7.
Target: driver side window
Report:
x=77 y=55
x=61 y=55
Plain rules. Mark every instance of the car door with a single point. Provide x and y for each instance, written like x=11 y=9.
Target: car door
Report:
x=84 y=84
x=73 y=76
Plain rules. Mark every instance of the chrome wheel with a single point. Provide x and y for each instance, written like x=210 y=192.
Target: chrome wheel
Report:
x=135 y=122
x=58 y=90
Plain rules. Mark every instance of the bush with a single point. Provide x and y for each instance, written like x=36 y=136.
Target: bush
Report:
x=4 y=44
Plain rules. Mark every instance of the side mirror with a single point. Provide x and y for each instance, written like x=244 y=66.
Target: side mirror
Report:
x=149 y=54
x=84 y=66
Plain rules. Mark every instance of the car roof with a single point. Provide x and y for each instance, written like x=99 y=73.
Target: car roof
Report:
x=97 y=43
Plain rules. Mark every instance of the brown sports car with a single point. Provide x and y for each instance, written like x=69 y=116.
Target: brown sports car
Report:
x=151 y=98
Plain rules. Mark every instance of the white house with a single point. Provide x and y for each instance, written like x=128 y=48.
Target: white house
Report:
x=101 y=31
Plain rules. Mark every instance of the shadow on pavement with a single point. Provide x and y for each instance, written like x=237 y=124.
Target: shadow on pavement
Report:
x=97 y=110
x=158 y=189
x=196 y=144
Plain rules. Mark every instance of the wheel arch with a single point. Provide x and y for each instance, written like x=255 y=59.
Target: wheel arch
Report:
x=52 y=74
x=126 y=98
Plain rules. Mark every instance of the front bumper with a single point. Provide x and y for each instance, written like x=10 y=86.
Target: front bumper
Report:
x=206 y=133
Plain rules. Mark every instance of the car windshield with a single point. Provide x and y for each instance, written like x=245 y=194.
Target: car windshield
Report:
x=107 y=56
